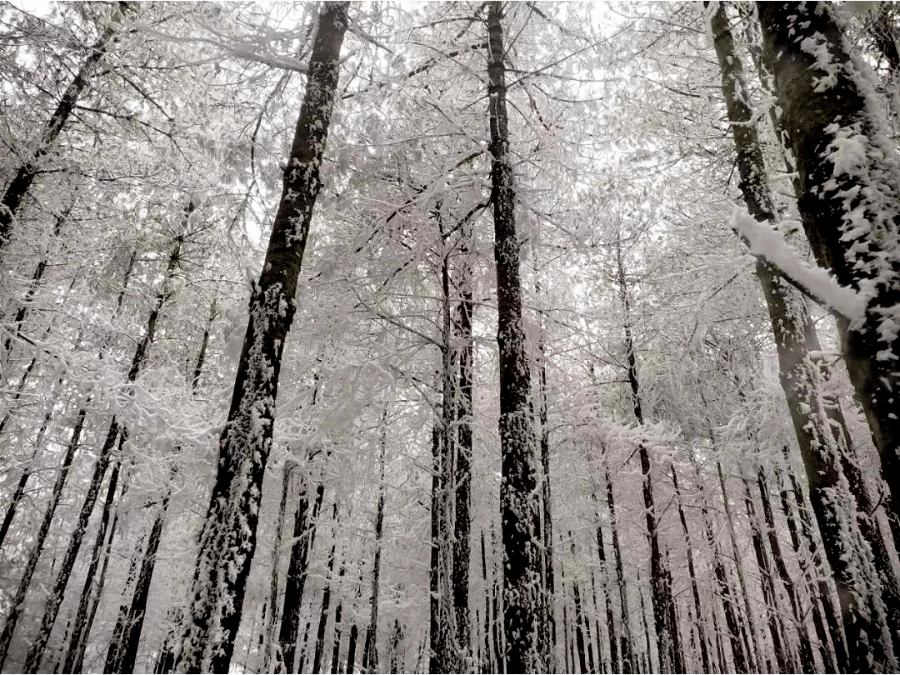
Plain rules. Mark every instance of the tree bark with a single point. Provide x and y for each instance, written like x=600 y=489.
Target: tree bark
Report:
x=370 y=651
x=12 y=617
x=695 y=591
x=851 y=212
x=25 y=175
x=520 y=506
x=305 y=519
x=228 y=539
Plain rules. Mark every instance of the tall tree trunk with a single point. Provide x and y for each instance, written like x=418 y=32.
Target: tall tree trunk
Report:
x=740 y=656
x=12 y=617
x=135 y=610
x=851 y=562
x=818 y=567
x=767 y=581
x=444 y=653
x=520 y=506
x=462 y=478
x=305 y=519
x=370 y=651
x=326 y=606
x=36 y=277
x=807 y=661
x=270 y=658
x=228 y=539
x=25 y=175
x=821 y=112
x=351 y=648
x=660 y=579
x=739 y=568
x=695 y=591
x=336 y=640
x=611 y=627
x=625 y=636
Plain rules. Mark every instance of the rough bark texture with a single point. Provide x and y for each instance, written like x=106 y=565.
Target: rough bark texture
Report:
x=850 y=209
x=835 y=508
x=228 y=539
x=462 y=522
x=519 y=499
x=304 y=533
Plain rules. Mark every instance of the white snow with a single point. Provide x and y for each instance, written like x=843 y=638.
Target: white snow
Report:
x=766 y=243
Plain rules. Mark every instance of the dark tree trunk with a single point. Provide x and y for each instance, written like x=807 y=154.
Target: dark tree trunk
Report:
x=462 y=522
x=325 y=609
x=821 y=110
x=611 y=627
x=807 y=661
x=305 y=519
x=740 y=655
x=695 y=591
x=520 y=505
x=271 y=659
x=625 y=636
x=835 y=510
x=370 y=650
x=444 y=653
x=396 y=658
x=769 y=594
x=336 y=641
x=21 y=182
x=228 y=539
x=821 y=588
x=660 y=579
x=12 y=617
x=351 y=648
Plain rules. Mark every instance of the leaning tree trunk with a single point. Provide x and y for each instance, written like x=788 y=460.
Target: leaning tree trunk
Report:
x=519 y=499
x=228 y=539
x=25 y=175
x=859 y=587
x=12 y=617
x=848 y=173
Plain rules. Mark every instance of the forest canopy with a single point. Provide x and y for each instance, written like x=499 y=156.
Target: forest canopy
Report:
x=449 y=337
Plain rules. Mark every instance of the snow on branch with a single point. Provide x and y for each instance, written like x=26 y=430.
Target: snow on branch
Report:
x=817 y=283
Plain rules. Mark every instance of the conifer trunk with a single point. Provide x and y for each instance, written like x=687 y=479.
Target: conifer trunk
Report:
x=520 y=505
x=18 y=601
x=228 y=539
x=370 y=650
x=26 y=173
x=304 y=532
x=695 y=591
x=851 y=213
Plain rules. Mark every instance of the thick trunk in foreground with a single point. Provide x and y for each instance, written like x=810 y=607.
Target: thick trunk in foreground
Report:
x=228 y=539
x=850 y=206
x=813 y=140
x=519 y=500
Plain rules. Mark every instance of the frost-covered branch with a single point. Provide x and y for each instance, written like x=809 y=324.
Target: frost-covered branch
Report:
x=817 y=283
